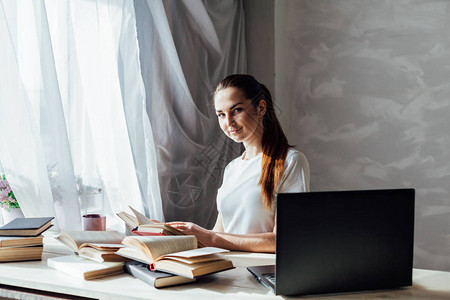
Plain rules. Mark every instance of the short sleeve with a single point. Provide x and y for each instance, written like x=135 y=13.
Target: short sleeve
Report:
x=295 y=178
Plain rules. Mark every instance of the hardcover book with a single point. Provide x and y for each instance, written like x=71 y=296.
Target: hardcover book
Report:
x=84 y=268
x=175 y=254
x=155 y=279
x=26 y=226
x=18 y=241
x=21 y=253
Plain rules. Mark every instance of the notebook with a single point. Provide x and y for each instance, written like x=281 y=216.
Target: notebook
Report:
x=342 y=241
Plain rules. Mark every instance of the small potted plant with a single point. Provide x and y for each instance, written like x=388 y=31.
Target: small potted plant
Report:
x=8 y=202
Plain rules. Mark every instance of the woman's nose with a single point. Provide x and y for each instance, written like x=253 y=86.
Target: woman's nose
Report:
x=229 y=120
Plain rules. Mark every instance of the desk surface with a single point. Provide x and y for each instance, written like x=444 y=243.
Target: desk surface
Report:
x=237 y=283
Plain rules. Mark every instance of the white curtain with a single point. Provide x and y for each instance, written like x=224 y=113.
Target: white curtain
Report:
x=82 y=83
x=23 y=152
x=73 y=103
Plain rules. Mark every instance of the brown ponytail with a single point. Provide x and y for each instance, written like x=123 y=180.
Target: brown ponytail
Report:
x=274 y=142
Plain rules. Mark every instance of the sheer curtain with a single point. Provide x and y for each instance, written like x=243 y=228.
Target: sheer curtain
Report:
x=105 y=104
x=73 y=104
x=186 y=48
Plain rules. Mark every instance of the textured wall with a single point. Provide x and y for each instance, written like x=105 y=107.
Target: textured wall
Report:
x=364 y=90
x=259 y=38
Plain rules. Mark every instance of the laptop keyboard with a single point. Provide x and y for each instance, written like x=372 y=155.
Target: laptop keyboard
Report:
x=270 y=277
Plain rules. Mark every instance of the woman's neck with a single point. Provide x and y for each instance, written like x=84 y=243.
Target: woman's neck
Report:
x=253 y=145
x=251 y=151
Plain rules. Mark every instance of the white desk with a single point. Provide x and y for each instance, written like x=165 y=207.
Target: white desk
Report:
x=237 y=283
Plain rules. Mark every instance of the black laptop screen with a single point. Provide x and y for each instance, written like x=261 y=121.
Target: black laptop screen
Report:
x=331 y=242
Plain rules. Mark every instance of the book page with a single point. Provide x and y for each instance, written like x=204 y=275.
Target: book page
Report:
x=173 y=230
x=128 y=219
x=134 y=254
x=198 y=252
x=103 y=246
x=151 y=225
x=191 y=270
x=156 y=246
x=100 y=255
x=191 y=260
x=167 y=229
x=141 y=219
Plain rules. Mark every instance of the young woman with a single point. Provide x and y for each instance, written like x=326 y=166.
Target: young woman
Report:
x=269 y=165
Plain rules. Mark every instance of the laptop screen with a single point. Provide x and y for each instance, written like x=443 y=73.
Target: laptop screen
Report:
x=344 y=241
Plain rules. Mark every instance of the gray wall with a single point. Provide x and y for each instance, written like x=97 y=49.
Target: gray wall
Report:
x=363 y=88
x=259 y=37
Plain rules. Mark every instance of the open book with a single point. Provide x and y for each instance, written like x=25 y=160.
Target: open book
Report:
x=142 y=225
x=96 y=245
x=175 y=254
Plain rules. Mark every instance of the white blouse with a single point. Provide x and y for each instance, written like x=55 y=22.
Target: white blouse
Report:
x=239 y=199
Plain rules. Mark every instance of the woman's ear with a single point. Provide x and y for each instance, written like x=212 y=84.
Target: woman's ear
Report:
x=262 y=108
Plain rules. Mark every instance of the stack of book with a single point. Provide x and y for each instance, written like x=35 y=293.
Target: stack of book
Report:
x=22 y=240
x=163 y=256
x=169 y=260
x=94 y=254
x=159 y=255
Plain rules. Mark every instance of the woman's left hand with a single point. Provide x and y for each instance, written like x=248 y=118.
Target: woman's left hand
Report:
x=203 y=235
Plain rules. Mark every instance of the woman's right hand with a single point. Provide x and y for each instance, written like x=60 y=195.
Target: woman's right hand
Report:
x=203 y=235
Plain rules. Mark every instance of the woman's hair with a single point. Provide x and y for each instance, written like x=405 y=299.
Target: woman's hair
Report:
x=274 y=142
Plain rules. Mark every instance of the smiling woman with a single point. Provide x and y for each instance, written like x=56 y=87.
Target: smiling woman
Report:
x=269 y=165
x=238 y=119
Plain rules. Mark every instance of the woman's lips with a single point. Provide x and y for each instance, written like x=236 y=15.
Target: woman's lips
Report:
x=234 y=131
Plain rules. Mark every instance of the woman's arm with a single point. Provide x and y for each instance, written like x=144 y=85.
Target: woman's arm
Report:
x=255 y=242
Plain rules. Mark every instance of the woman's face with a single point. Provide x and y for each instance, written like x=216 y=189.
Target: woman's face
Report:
x=238 y=118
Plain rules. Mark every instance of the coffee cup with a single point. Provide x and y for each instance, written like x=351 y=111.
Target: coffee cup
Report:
x=94 y=222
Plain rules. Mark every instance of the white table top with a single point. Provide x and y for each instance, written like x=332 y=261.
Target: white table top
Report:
x=237 y=283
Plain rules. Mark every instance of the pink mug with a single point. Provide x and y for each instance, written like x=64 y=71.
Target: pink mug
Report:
x=94 y=222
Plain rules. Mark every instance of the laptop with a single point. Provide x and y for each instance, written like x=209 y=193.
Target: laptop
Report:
x=341 y=241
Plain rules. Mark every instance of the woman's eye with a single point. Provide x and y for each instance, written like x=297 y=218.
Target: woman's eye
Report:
x=236 y=110
x=220 y=115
